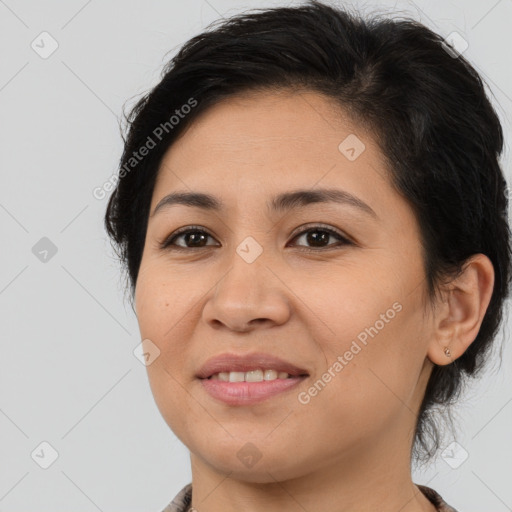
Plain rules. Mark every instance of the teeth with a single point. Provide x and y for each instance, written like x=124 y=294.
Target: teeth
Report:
x=254 y=376
x=250 y=376
x=236 y=376
x=270 y=375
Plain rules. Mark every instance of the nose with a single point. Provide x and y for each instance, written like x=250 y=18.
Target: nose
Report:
x=248 y=296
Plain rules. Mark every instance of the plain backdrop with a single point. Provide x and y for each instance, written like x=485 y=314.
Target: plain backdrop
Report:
x=68 y=376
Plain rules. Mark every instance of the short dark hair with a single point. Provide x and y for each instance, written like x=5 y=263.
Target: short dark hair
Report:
x=426 y=107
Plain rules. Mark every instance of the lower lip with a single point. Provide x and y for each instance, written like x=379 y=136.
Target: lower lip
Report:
x=248 y=393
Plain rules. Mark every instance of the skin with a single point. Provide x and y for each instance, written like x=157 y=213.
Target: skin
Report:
x=349 y=448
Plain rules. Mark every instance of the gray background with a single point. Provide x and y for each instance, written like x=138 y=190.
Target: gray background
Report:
x=68 y=375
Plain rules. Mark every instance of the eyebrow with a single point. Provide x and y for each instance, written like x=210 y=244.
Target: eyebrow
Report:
x=280 y=203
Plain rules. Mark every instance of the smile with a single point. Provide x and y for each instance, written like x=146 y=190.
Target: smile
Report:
x=250 y=376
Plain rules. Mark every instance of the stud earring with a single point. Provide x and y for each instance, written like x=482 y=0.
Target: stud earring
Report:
x=447 y=352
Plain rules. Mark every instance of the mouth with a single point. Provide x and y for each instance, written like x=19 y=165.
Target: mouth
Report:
x=254 y=367
x=256 y=375
x=248 y=379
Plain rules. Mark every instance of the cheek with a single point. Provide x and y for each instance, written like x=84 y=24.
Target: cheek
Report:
x=374 y=349
x=371 y=297
x=162 y=318
x=351 y=304
x=375 y=381
x=159 y=302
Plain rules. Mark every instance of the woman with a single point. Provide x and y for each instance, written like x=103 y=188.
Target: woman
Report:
x=314 y=223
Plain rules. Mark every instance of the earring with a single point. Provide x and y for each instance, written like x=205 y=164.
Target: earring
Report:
x=447 y=352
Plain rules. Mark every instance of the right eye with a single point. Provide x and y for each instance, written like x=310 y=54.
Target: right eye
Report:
x=193 y=235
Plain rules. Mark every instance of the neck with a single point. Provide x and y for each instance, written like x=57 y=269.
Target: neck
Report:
x=356 y=483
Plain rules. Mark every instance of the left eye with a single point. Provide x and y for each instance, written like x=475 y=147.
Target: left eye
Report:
x=319 y=234
x=316 y=235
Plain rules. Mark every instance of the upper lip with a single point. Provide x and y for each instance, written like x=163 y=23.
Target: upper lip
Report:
x=246 y=362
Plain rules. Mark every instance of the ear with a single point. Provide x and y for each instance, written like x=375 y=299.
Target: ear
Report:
x=460 y=315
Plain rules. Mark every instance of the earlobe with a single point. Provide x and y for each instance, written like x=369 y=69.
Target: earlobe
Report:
x=458 y=321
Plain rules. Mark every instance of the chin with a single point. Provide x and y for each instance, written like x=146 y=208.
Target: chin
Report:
x=251 y=462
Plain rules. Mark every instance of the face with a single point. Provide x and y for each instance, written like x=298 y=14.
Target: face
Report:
x=331 y=284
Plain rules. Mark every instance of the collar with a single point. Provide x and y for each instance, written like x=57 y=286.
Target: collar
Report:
x=182 y=501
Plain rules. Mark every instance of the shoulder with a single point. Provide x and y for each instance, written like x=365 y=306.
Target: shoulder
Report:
x=182 y=501
x=436 y=499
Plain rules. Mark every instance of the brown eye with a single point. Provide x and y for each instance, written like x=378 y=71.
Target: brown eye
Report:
x=193 y=238
x=318 y=236
x=196 y=238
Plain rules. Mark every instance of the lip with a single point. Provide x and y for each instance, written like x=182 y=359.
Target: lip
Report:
x=248 y=393
x=243 y=363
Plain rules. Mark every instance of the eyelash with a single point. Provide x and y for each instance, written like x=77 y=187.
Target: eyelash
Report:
x=168 y=242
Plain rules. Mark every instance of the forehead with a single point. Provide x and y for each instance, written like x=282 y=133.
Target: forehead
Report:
x=262 y=141
x=299 y=122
